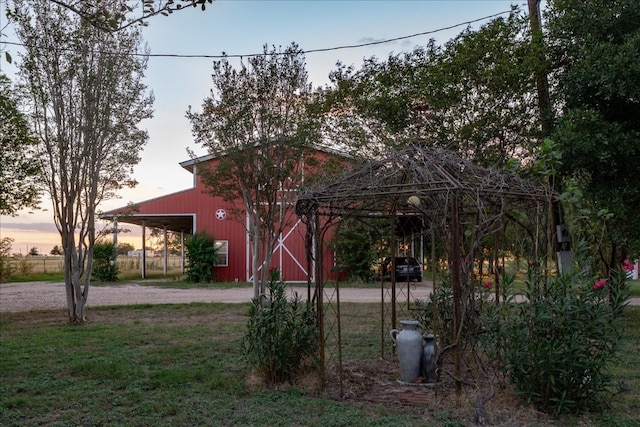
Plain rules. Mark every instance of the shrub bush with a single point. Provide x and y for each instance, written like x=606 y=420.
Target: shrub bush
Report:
x=6 y=269
x=557 y=346
x=281 y=334
x=441 y=300
x=354 y=245
x=104 y=267
x=201 y=256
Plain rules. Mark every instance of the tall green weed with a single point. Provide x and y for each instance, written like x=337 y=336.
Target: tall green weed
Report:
x=282 y=335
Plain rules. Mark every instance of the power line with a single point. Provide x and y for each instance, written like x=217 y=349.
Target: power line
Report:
x=409 y=36
x=327 y=49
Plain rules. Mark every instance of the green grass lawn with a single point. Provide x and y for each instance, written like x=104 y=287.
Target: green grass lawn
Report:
x=169 y=365
x=163 y=365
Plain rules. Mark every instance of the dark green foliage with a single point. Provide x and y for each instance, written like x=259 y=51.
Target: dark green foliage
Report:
x=479 y=93
x=440 y=302
x=281 y=334
x=557 y=348
x=354 y=244
x=57 y=250
x=595 y=47
x=105 y=267
x=472 y=95
x=6 y=269
x=201 y=254
x=18 y=183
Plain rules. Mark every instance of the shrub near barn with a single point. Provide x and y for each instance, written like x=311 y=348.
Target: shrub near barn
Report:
x=105 y=267
x=201 y=253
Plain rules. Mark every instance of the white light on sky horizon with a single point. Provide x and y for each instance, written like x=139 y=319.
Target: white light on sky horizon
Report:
x=243 y=27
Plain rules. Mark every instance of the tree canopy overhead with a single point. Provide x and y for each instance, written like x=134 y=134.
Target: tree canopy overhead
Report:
x=105 y=17
x=474 y=94
x=479 y=94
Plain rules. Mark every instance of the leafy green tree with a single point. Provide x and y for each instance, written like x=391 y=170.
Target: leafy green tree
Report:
x=355 y=247
x=201 y=257
x=472 y=95
x=595 y=47
x=256 y=125
x=479 y=94
x=20 y=169
x=34 y=251
x=86 y=101
x=124 y=248
x=56 y=250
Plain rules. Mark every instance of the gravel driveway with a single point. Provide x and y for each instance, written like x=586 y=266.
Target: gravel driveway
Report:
x=15 y=297
x=26 y=296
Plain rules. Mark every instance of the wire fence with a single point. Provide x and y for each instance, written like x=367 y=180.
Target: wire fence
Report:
x=55 y=264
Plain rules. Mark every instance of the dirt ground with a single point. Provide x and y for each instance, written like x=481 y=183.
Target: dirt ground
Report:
x=26 y=296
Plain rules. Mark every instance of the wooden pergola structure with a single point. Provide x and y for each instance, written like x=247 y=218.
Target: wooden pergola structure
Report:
x=458 y=201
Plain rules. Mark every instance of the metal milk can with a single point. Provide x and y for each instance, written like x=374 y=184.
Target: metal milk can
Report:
x=408 y=341
x=430 y=363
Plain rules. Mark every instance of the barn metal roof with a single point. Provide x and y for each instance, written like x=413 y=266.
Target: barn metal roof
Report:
x=173 y=222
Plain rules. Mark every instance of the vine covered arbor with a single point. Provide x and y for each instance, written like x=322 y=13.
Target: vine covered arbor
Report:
x=453 y=201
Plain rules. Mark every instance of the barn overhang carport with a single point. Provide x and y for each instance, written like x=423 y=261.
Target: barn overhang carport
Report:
x=178 y=223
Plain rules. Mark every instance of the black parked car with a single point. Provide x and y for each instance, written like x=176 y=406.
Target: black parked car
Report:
x=407 y=268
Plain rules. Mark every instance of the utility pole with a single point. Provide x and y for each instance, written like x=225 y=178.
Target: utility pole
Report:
x=542 y=82
x=559 y=238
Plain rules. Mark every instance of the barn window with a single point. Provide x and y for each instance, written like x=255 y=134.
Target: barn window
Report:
x=222 y=253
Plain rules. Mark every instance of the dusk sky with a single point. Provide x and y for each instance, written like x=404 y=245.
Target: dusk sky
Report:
x=242 y=28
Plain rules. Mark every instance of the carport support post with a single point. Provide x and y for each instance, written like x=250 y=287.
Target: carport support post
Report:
x=165 y=255
x=182 y=252
x=144 y=251
x=115 y=238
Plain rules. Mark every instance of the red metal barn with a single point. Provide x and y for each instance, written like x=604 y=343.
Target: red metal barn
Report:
x=194 y=210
